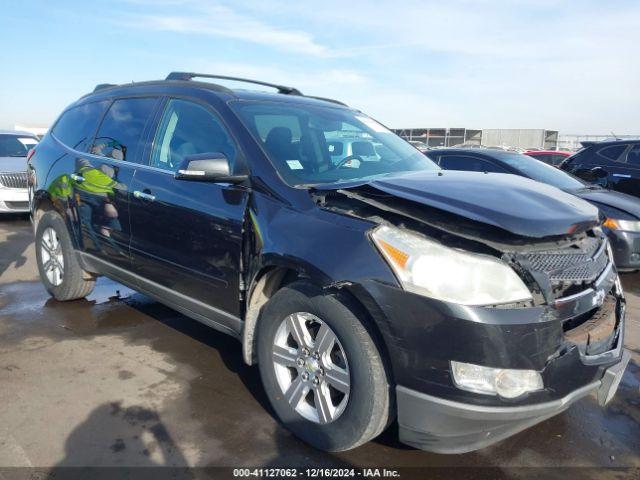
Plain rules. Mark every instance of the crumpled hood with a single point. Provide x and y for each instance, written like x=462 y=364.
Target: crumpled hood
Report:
x=513 y=203
x=13 y=164
x=618 y=200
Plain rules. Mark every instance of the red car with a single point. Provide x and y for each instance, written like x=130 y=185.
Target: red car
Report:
x=552 y=157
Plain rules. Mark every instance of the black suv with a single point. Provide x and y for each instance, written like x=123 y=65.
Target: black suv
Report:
x=614 y=164
x=469 y=306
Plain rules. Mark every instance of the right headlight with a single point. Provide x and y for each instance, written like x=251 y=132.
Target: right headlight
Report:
x=623 y=225
x=428 y=268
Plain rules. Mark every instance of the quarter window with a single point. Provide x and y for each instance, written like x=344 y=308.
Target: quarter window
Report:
x=120 y=135
x=76 y=126
x=187 y=128
x=612 y=152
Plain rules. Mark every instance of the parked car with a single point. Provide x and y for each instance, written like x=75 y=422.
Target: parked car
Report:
x=620 y=212
x=467 y=306
x=14 y=147
x=423 y=147
x=614 y=164
x=552 y=157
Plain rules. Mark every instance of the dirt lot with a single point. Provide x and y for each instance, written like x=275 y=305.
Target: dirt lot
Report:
x=120 y=380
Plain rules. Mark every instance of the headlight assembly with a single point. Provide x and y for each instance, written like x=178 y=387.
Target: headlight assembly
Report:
x=428 y=268
x=623 y=225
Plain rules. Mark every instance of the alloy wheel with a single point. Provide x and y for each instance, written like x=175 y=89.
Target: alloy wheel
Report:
x=52 y=257
x=311 y=367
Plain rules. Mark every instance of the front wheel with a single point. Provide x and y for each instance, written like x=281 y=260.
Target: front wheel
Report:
x=322 y=371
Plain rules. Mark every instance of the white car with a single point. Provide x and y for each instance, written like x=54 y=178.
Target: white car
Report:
x=14 y=147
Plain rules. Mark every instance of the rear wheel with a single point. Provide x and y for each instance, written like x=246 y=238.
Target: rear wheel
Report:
x=321 y=369
x=60 y=271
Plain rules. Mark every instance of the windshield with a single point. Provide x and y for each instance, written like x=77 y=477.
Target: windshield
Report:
x=541 y=172
x=311 y=144
x=16 y=145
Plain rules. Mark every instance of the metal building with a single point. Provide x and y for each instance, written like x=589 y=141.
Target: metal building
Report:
x=522 y=138
x=441 y=137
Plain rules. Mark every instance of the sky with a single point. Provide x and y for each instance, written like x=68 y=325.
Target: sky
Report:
x=569 y=66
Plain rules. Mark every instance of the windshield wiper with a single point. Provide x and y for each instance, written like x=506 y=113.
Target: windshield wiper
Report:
x=16 y=155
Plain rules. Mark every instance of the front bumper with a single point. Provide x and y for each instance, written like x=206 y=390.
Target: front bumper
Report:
x=444 y=426
x=576 y=344
x=14 y=200
x=626 y=249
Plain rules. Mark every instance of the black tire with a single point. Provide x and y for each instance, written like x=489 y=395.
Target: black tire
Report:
x=76 y=282
x=368 y=409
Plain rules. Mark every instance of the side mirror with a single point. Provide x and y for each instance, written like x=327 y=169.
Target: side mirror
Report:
x=598 y=172
x=207 y=167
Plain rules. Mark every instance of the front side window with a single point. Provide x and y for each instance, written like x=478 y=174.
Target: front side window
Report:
x=76 y=126
x=16 y=145
x=554 y=159
x=187 y=128
x=313 y=144
x=468 y=163
x=120 y=135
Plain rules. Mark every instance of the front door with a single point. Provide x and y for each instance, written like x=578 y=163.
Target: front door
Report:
x=187 y=236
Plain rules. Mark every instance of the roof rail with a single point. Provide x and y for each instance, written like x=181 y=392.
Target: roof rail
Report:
x=188 y=76
x=328 y=100
x=102 y=86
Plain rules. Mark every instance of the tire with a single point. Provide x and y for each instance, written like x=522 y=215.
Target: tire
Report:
x=74 y=282
x=368 y=407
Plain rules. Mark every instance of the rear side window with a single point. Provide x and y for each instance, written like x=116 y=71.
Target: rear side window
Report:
x=76 y=126
x=633 y=157
x=120 y=135
x=468 y=163
x=612 y=152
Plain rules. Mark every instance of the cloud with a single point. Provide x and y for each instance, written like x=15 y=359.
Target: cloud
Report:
x=217 y=20
x=313 y=82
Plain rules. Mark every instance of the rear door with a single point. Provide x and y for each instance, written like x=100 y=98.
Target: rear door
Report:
x=625 y=176
x=102 y=179
x=606 y=165
x=187 y=235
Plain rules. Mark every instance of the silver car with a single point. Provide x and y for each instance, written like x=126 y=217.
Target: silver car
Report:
x=14 y=147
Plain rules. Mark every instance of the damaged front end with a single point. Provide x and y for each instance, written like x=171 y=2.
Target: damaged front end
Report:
x=570 y=331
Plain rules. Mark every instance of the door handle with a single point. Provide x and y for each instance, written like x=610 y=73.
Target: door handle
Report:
x=144 y=196
x=77 y=178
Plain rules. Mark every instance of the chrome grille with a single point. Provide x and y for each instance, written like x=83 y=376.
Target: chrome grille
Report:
x=575 y=265
x=14 y=180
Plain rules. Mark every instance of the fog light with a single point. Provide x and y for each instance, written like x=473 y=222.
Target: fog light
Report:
x=505 y=382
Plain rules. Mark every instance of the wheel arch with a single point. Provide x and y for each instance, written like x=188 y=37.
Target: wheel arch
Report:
x=41 y=204
x=272 y=278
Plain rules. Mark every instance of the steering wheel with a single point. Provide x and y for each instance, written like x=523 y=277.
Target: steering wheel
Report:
x=346 y=159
